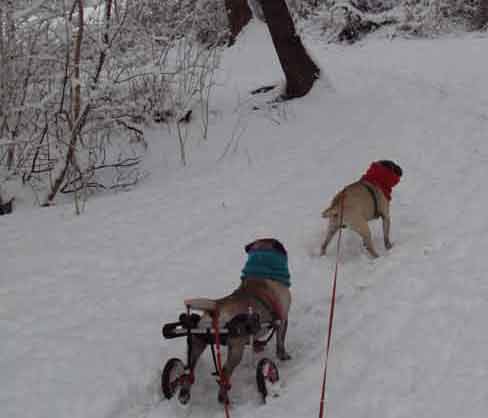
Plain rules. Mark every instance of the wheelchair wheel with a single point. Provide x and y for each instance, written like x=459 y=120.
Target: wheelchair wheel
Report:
x=172 y=377
x=267 y=378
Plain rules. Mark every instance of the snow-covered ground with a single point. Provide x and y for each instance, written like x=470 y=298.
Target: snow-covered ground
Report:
x=82 y=299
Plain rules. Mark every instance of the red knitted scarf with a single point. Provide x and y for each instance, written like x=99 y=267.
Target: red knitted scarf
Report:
x=382 y=177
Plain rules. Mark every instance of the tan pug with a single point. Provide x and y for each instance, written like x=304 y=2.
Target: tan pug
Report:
x=367 y=199
x=268 y=297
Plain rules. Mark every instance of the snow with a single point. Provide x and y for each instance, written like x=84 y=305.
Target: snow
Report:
x=82 y=299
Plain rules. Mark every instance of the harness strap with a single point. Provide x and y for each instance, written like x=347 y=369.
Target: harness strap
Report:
x=373 y=195
x=269 y=302
x=223 y=382
x=274 y=308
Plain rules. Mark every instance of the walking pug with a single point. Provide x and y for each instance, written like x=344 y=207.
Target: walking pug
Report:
x=264 y=289
x=367 y=199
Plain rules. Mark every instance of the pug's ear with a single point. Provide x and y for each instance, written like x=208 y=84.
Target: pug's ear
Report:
x=249 y=246
x=266 y=244
x=392 y=166
x=277 y=245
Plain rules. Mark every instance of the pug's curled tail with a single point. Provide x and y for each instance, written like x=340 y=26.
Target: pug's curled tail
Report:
x=334 y=208
x=329 y=212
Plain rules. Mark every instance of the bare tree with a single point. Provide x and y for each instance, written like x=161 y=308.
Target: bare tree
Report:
x=76 y=120
x=80 y=80
x=7 y=47
x=300 y=70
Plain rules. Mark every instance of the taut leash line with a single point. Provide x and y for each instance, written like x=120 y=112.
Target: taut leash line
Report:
x=331 y=311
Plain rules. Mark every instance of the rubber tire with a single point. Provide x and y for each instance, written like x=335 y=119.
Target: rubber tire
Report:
x=262 y=379
x=168 y=386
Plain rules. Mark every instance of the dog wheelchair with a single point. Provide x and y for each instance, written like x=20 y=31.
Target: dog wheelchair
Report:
x=178 y=376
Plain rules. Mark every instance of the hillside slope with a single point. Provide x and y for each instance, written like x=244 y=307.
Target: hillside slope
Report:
x=82 y=299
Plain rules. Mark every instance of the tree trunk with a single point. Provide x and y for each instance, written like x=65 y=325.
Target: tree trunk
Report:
x=239 y=15
x=7 y=87
x=481 y=20
x=77 y=117
x=300 y=71
x=3 y=74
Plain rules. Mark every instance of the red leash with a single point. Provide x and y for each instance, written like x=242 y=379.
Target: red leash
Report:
x=223 y=380
x=331 y=312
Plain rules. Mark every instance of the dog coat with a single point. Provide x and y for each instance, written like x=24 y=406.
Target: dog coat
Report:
x=268 y=264
x=382 y=177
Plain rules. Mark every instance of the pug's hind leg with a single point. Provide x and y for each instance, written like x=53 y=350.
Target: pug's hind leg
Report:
x=362 y=228
x=281 y=352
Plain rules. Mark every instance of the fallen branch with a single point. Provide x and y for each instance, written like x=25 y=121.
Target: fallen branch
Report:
x=358 y=23
x=79 y=183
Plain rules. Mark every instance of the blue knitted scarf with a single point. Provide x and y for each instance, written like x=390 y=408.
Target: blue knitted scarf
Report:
x=268 y=264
